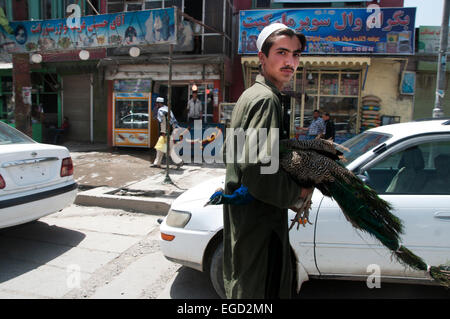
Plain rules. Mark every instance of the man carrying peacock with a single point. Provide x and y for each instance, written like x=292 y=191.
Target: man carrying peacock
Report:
x=257 y=257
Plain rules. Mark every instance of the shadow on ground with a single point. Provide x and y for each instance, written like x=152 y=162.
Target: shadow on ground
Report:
x=192 y=284
x=29 y=246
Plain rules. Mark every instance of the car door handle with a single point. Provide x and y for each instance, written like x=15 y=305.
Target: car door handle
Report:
x=442 y=215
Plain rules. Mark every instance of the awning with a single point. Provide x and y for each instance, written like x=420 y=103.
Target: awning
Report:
x=314 y=61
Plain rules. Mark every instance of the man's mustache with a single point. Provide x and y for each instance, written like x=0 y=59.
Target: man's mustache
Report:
x=287 y=68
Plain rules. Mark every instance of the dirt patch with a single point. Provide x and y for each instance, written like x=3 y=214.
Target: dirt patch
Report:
x=112 y=169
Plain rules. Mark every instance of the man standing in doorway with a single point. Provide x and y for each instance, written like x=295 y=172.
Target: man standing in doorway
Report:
x=194 y=108
x=257 y=260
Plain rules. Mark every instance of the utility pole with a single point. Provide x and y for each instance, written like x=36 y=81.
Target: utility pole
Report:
x=442 y=60
x=167 y=179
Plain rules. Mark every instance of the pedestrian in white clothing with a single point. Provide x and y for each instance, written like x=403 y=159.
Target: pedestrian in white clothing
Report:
x=161 y=145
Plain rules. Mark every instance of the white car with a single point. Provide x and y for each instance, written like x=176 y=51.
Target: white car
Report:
x=35 y=179
x=408 y=164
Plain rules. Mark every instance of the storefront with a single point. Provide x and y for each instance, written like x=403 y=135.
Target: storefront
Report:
x=45 y=101
x=351 y=55
x=186 y=77
x=328 y=84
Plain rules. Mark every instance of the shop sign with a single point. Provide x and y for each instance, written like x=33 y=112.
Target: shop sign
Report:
x=337 y=31
x=132 y=85
x=429 y=39
x=146 y=27
x=130 y=95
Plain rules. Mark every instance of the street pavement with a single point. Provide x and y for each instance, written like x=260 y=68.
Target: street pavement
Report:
x=122 y=178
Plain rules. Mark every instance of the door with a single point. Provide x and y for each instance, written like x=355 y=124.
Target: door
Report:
x=179 y=100
x=76 y=106
x=415 y=178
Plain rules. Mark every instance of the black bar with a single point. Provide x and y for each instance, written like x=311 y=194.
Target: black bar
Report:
x=35 y=197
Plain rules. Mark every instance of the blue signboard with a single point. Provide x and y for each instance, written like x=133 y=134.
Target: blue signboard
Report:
x=156 y=26
x=337 y=31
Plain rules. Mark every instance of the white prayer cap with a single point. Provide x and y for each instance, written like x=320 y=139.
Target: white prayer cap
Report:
x=160 y=99
x=268 y=30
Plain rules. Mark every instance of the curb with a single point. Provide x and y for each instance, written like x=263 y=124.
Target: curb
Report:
x=103 y=197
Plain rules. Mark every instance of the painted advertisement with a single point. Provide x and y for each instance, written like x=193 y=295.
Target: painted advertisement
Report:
x=429 y=39
x=107 y=30
x=337 y=31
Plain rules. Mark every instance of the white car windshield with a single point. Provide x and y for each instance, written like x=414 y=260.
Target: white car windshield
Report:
x=362 y=143
x=9 y=135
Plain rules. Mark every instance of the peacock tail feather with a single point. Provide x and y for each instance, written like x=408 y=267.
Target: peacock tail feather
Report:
x=366 y=211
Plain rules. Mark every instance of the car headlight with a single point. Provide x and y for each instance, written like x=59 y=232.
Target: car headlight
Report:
x=177 y=218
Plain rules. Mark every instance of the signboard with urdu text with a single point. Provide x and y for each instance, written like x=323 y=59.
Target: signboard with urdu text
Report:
x=335 y=30
x=429 y=39
x=157 y=26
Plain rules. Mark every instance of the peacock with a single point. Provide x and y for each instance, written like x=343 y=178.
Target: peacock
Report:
x=315 y=164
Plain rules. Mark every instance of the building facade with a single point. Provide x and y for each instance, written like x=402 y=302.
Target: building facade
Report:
x=342 y=84
x=85 y=90
x=360 y=90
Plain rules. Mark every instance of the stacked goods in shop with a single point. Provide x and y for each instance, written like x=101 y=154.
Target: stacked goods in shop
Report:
x=370 y=117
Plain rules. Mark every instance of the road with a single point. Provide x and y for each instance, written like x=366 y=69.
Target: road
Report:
x=92 y=252
x=84 y=252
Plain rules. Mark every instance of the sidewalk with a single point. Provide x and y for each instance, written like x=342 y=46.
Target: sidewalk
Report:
x=122 y=178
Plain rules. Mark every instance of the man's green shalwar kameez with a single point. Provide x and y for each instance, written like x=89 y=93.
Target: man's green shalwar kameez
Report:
x=256 y=239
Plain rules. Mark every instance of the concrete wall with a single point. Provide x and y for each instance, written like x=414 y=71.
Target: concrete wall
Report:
x=383 y=79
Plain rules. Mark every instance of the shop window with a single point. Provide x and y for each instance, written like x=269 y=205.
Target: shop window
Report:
x=6 y=100
x=20 y=10
x=132 y=114
x=134 y=6
x=335 y=92
x=115 y=6
x=153 y=4
x=312 y=83
x=350 y=84
x=46 y=9
x=329 y=84
x=171 y=3
x=262 y=3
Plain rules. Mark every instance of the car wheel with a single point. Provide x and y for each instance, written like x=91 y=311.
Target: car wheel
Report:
x=216 y=271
